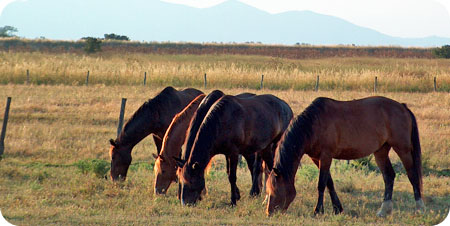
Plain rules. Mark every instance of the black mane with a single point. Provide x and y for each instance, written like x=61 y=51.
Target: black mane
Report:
x=137 y=127
x=299 y=132
x=197 y=120
x=210 y=128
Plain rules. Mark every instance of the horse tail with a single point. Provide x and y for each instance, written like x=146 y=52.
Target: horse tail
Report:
x=416 y=152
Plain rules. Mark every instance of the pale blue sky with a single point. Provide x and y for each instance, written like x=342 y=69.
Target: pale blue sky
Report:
x=401 y=18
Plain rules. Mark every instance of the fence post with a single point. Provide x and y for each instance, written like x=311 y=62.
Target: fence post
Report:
x=205 y=81
x=262 y=82
x=87 y=79
x=28 y=76
x=122 y=113
x=375 y=85
x=5 y=122
x=145 y=77
x=435 y=86
x=317 y=84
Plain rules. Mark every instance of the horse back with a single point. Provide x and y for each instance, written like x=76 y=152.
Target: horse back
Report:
x=266 y=117
x=361 y=127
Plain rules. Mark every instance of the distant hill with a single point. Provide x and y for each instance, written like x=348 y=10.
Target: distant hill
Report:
x=153 y=20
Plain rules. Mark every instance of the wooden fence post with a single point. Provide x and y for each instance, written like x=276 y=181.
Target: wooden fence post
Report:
x=145 y=77
x=317 y=84
x=435 y=86
x=122 y=113
x=28 y=76
x=87 y=79
x=375 y=84
x=205 y=81
x=5 y=122
x=262 y=82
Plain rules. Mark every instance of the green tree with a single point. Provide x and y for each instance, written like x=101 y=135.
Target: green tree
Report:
x=113 y=36
x=7 y=31
x=92 y=45
x=443 y=52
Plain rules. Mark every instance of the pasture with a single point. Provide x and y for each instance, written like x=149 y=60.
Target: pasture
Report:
x=57 y=139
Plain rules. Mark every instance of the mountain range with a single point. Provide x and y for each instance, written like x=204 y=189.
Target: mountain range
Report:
x=154 y=20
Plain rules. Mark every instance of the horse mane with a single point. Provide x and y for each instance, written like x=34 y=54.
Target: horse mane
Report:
x=177 y=121
x=299 y=132
x=133 y=130
x=211 y=127
x=197 y=120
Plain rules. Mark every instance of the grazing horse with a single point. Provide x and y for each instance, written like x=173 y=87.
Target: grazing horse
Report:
x=330 y=129
x=197 y=119
x=233 y=126
x=153 y=117
x=165 y=165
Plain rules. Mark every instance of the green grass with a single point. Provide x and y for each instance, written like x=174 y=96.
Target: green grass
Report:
x=57 y=152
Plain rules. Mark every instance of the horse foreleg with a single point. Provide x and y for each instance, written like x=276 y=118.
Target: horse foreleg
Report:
x=383 y=162
x=324 y=166
x=337 y=206
x=158 y=143
x=233 y=161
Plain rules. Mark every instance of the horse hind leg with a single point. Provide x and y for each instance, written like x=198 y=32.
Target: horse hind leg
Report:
x=383 y=162
x=254 y=165
x=406 y=157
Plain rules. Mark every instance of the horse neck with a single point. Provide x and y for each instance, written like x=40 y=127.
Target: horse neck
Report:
x=139 y=126
x=176 y=133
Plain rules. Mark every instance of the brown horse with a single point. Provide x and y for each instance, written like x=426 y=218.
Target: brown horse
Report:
x=330 y=129
x=153 y=117
x=253 y=160
x=233 y=126
x=165 y=165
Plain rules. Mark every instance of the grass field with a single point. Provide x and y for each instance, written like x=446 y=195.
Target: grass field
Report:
x=57 y=145
x=226 y=71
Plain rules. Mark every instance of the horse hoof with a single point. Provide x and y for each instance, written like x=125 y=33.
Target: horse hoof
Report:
x=385 y=209
x=254 y=193
x=420 y=206
x=337 y=209
x=318 y=211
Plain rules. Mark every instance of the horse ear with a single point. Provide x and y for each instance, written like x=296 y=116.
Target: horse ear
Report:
x=180 y=162
x=154 y=155
x=112 y=142
x=276 y=172
x=195 y=165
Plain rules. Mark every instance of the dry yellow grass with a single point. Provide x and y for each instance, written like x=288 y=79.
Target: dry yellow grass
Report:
x=53 y=127
x=227 y=71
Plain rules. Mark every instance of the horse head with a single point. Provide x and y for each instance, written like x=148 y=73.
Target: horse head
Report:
x=192 y=182
x=120 y=161
x=280 y=191
x=165 y=173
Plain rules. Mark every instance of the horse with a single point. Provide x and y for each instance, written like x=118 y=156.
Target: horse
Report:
x=153 y=117
x=329 y=129
x=170 y=173
x=233 y=126
x=165 y=166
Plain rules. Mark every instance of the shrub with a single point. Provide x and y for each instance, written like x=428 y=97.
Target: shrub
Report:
x=92 y=45
x=113 y=36
x=443 y=52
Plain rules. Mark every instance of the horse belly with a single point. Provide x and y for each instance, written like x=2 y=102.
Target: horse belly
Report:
x=351 y=153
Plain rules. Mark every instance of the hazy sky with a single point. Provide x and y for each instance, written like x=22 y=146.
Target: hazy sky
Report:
x=401 y=18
